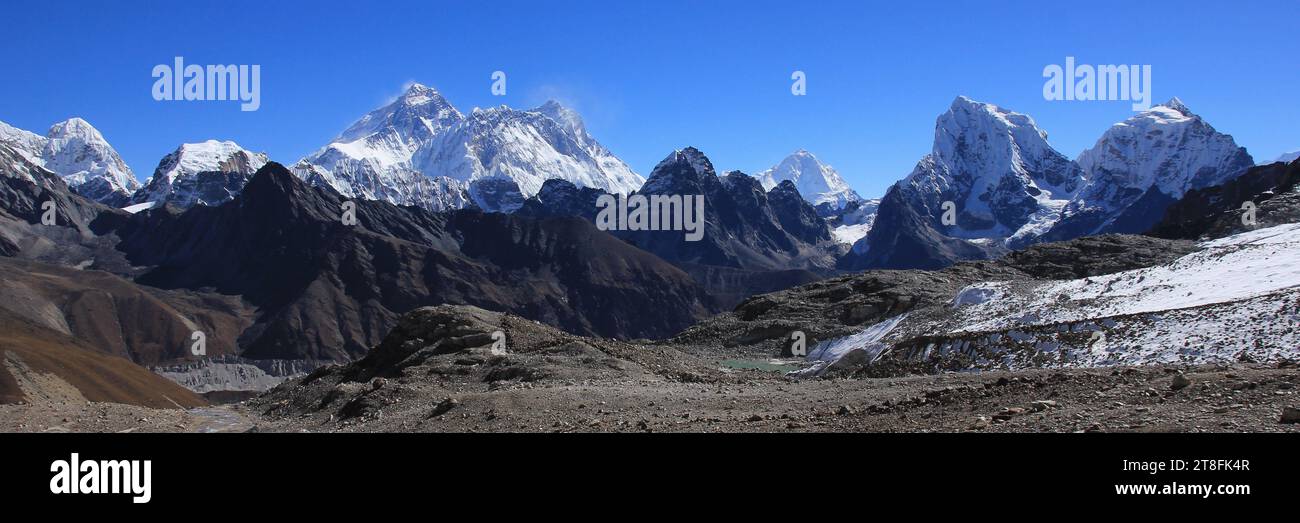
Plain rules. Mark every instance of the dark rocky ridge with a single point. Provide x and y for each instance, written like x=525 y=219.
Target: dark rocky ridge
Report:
x=1216 y=212
x=754 y=241
x=904 y=238
x=325 y=290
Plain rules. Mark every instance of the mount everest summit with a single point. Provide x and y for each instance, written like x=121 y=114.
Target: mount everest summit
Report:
x=419 y=150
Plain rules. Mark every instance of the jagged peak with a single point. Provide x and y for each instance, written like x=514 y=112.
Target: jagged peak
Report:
x=273 y=177
x=985 y=119
x=969 y=105
x=417 y=108
x=785 y=186
x=420 y=94
x=563 y=115
x=692 y=156
x=209 y=156
x=1176 y=104
x=965 y=101
x=552 y=105
x=77 y=127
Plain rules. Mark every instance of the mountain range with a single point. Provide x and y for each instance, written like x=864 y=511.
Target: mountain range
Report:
x=992 y=182
x=417 y=204
x=1002 y=186
x=991 y=172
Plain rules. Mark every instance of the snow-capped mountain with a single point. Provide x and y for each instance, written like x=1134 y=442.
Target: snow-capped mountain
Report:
x=996 y=166
x=1141 y=165
x=819 y=183
x=1007 y=186
x=527 y=147
x=372 y=158
x=1288 y=157
x=206 y=173
x=421 y=135
x=78 y=153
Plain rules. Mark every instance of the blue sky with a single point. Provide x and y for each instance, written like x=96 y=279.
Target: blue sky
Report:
x=652 y=76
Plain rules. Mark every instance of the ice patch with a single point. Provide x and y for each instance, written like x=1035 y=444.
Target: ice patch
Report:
x=139 y=207
x=977 y=294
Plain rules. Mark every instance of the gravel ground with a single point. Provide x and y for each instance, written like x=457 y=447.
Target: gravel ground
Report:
x=556 y=382
x=1239 y=398
x=463 y=369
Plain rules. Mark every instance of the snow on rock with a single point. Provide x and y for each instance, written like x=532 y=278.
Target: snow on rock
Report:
x=850 y=234
x=662 y=184
x=205 y=173
x=1239 y=267
x=1237 y=297
x=853 y=222
x=27 y=143
x=977 y=294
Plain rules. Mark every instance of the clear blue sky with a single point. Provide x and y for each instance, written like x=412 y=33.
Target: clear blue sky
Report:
x=652 y=76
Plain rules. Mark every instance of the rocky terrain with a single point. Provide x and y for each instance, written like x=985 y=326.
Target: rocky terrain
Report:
x=462 y=369
x=438 y=371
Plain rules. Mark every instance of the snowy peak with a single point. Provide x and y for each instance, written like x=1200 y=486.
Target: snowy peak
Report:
x=205 y=173
x=996 y=166
x=420 y=134
x=1288 y=157
x=419 y=113
x=1177 y=105
x=567 y=118
x=817 y=182
x=1141 y=165
x=75 y=128
x=982 y=137
x=77 y=152
x=211 y=156
x=1167 y=147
